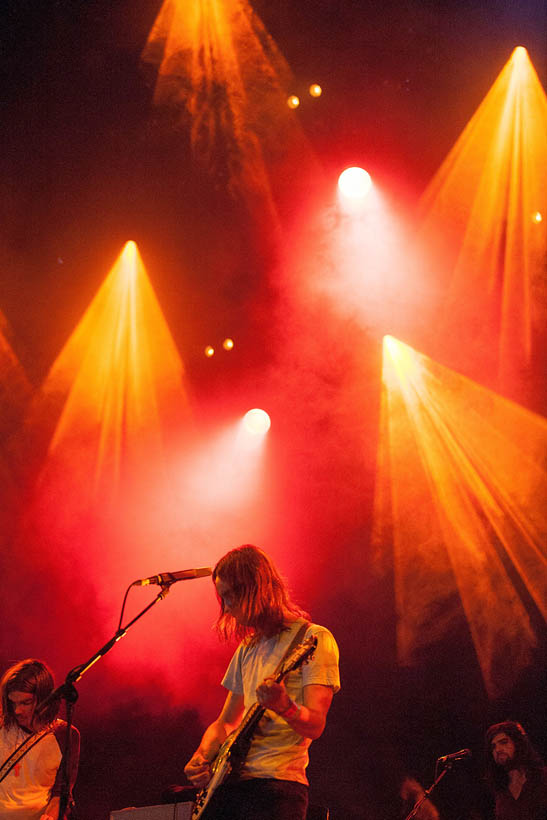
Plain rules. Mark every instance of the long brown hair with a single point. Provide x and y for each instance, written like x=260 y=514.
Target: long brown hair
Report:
x=259 y=592
x=32 y=676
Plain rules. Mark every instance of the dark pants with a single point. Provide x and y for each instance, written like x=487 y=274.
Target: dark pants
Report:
x=259 y=799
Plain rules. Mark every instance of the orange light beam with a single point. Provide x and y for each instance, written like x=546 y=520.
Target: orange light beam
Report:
x=478 y=212
x=120 y=375
x=461 y=491
x=216 y=61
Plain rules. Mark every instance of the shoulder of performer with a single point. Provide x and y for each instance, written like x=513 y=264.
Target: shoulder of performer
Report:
x=59 y=728
x=323 y=668
x=323 y=635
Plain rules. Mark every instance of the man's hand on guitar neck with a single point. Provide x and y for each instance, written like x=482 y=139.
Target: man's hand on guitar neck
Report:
x=274 y=696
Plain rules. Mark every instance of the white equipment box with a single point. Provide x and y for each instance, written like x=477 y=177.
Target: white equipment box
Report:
x=169 y=811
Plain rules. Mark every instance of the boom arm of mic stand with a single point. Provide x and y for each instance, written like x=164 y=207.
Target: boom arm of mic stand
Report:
x=68 y=693
x=75 y=674
x=426 y=794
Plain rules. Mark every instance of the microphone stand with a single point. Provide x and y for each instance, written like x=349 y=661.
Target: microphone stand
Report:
x=427 y=792
x=67 y=692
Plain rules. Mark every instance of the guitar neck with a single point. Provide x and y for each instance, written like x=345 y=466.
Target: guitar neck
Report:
x=254 y=714
x=250 y=721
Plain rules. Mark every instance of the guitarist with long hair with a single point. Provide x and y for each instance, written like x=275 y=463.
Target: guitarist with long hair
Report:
x=32 y=745
x=276 y=714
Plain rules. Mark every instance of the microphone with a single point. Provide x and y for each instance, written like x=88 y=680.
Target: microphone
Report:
x=172 y=577
x=461 y=755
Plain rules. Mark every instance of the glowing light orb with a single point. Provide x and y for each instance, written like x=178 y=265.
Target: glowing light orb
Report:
x=209 y=351
x=228 y=344
x=293 y=101
x=315 y=90
x=537 y=217
x=256 y=422
x=354 y=183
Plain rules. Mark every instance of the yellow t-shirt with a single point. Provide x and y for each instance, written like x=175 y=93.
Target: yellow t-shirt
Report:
x=277 y=751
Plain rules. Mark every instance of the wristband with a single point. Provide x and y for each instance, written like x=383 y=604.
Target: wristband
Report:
x=291 y=710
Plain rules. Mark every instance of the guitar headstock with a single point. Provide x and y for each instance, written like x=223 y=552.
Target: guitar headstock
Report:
x=303 y=653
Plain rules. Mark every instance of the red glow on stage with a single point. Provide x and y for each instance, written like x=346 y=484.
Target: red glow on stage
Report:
x=109 y=506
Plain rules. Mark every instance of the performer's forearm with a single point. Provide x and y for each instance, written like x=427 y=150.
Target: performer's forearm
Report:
x=305 y=721
x=198 y=768
x=213 y=738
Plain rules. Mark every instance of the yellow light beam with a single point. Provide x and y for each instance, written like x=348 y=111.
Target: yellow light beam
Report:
x=461 y=490
x=479 y=214
x=216 y=61
x=119 y=378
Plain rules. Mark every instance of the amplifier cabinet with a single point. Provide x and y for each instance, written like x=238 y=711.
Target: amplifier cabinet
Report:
x=169 y=811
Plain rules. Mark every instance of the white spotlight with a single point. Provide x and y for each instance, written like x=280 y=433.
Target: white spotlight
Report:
x=354 y=183
x=256 y=422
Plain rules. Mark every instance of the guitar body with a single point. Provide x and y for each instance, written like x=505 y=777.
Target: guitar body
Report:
x=231 y=755
x=229 y=759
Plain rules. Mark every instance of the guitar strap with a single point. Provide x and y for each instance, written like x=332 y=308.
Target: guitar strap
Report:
x=21 y=750
x=295 y=641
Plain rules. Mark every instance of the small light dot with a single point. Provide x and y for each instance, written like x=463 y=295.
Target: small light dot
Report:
x=537 y=217
x=293 y=101
x=315 y=90
x=209 y=351
x=228 y=344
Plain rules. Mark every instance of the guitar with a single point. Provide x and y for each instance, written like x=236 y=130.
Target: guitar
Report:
x=231 y=755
